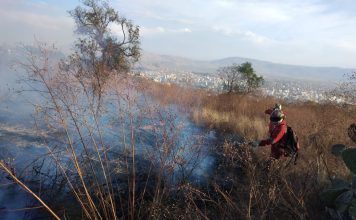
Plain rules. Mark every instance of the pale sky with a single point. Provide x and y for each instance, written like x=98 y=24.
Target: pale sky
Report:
x=302 y=32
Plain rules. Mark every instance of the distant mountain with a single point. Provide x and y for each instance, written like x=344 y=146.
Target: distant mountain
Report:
x=150 y=61
x=156 y=62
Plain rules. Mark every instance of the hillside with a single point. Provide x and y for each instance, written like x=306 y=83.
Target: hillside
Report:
x=150 y=61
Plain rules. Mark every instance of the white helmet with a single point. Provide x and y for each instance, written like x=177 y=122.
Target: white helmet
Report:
x=278 y=106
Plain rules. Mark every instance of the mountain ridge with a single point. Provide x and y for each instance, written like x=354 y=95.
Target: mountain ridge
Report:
x=158 y=62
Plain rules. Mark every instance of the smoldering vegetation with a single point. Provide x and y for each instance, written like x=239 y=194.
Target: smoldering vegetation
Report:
x=80 y=138
x=117 y=156
x=156 y=151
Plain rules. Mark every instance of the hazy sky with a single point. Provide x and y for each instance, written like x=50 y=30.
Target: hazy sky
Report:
x=306 y=32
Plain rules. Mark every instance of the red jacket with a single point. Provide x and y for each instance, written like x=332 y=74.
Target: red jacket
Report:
x=277 y=138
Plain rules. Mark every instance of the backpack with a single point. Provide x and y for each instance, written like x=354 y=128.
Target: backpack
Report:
x=292 y=143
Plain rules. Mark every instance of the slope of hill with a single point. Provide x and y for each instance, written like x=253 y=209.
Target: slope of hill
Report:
x=150 y=61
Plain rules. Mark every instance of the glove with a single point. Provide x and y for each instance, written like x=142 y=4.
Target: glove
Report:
x=255 y=143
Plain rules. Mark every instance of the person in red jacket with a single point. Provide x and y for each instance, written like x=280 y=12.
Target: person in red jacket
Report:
x=277 y=131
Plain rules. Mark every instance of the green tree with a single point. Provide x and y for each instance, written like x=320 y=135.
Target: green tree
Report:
x=98 y=51
x=240 y=78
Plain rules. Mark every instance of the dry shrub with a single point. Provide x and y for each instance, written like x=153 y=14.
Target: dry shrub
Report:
x=241 y=188
x=318 y=125
x=287 y=191
x=246 y=190
x=104 y=171
x=293 y=193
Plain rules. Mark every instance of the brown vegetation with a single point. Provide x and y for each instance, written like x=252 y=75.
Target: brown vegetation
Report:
x=287 y=191
x=103 y=183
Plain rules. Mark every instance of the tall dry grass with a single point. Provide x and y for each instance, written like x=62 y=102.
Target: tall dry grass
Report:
x=324 y=123
x=126 y=185
x=86 y=175
x=285 y=193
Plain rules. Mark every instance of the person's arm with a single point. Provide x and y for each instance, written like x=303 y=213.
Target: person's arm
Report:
x=265 y=142
x=276 y=136
x=269 y=111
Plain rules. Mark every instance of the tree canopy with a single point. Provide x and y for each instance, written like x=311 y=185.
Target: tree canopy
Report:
x=240 y=78
x=98 y=51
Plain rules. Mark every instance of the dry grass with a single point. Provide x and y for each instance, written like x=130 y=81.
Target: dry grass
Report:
x=290 y=193
x=20 y=183
x=318 y=126
x=185 y=98
x=240 y=188
x=327 y=123
x=109 y=177
x=250 y=128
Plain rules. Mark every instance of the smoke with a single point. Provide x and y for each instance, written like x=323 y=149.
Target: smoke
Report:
x=16 y=96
